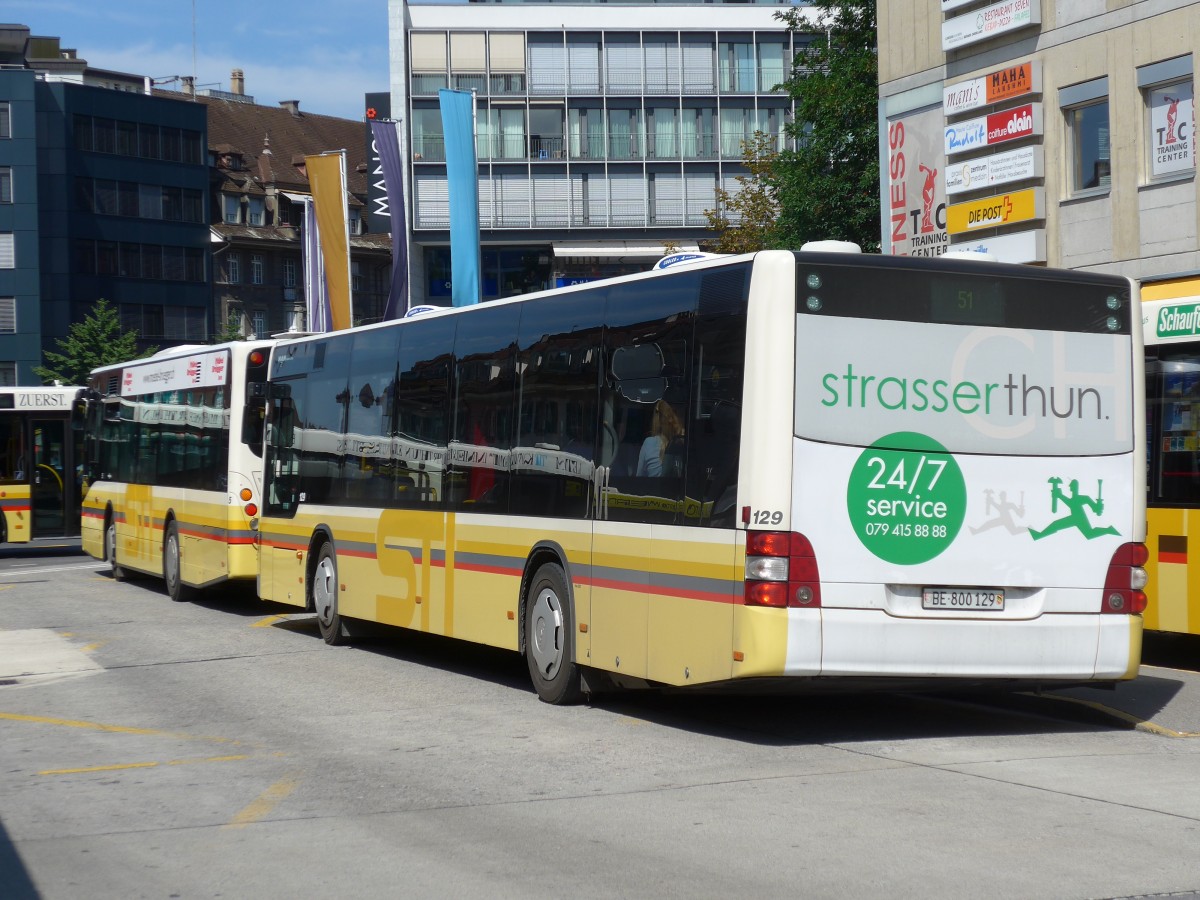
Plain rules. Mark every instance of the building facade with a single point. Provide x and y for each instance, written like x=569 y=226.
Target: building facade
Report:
x=102 y=195
x=258 y=187
x=602 y=130
x=1045 y=133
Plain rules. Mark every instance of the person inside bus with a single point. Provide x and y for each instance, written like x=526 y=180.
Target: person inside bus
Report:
x=666 y=431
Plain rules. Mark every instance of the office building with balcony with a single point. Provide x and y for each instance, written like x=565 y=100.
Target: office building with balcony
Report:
x=102 y=195
x=603 y=130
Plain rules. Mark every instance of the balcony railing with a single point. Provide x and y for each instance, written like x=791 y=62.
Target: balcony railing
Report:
x=609 y=80
x=612 y=146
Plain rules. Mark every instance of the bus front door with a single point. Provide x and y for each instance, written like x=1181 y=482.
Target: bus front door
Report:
x=52 y=478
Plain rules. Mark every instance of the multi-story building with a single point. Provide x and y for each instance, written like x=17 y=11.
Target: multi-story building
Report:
x=102 y=195
x=1046 y=133
x=603 y=130
x=259 y=184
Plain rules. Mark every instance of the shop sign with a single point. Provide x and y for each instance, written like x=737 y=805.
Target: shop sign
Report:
x=989 y=22
x=997 y=128
x=1020 y=247
x=1002 y=168
x=1009 y=83
x=996 y=211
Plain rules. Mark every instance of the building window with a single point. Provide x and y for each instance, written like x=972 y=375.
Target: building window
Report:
x=258 y=319
x=231 y=209
x=8 y=374
x=355 y=221
x=256 y=268
x=8 y=255
x=356 y=276
x=1085 y=107
x=255 y=210
x=233 y=269
x=5 y=184
x=5 y=120
x=8 y=315
x=289 y=273
x=1167 y=88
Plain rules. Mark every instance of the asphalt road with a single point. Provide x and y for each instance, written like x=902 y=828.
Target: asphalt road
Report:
x=220 y=748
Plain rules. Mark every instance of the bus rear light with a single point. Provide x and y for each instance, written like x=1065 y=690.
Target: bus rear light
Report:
x=1125 y=580
x=245 y=494
x=781 y=570
x=251 y=509
x=257 y=357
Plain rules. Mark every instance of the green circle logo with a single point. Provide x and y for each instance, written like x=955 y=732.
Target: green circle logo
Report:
x=906 y=506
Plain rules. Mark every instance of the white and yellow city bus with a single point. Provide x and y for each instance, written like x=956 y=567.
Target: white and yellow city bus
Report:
x=175 y=459
x=783 y=468
x=41 y=453
x=1171 y=316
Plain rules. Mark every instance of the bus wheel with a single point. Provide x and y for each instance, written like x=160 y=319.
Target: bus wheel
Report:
x=549 y=637
x=176 y=589
x=110 y=550
x=323 y=591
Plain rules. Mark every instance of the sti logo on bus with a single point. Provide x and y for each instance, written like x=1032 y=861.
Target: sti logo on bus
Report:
x=1178 y=321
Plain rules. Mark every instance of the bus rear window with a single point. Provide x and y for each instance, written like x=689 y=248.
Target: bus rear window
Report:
x=960 y=292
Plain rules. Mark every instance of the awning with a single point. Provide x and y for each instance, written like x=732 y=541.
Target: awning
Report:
x=296 y=198
x=618 y=249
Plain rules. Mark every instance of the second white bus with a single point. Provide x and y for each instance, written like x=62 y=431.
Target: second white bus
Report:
x=175 y=465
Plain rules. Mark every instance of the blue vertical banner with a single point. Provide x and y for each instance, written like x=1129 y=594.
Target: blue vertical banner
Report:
x=386 y=140
x=462 y=185
x=316 y=294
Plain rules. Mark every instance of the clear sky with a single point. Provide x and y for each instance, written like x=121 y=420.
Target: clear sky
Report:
x=324 y=53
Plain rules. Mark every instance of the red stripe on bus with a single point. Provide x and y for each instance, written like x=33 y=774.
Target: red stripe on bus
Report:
x=1177 y=558
x=360 y=554
x=490 y=570
x=639 y=588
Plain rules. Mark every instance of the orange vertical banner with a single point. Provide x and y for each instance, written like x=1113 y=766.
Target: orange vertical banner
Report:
x=327 y=181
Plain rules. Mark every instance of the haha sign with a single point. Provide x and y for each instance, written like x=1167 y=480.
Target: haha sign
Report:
x=995 y=87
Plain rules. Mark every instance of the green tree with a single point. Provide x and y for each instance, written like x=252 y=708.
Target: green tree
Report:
x=828 y=187
x=754 y=203
x=231 y=331
x=96 y=341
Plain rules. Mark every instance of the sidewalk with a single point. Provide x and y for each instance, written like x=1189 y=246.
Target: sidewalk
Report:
x=1164 y=698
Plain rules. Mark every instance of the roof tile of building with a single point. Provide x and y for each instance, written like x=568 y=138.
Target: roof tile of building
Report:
x=249 y=128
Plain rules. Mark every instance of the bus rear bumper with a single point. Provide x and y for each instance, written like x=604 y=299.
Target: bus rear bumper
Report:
x=1076 y=646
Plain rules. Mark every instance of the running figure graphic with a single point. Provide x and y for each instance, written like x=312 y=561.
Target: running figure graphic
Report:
x=1076 y=517
x=1004 y=514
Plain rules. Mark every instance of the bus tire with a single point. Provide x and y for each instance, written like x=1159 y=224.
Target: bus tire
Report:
x=323 y=594
x=172 y=572
x=110 y=549
x=550 y=637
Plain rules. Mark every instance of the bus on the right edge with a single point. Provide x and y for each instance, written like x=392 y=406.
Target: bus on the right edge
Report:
x=1171 y=326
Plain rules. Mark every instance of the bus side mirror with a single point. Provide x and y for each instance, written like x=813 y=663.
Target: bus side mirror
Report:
x=79 y=414
x=254 y=414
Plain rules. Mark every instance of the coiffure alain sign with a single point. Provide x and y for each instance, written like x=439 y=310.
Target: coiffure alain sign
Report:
x=998 y=128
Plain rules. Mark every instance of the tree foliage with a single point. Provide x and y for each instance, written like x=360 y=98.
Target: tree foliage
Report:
x=753 y=205
x=828 y=187
x=231 y=330
x=96 y=341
